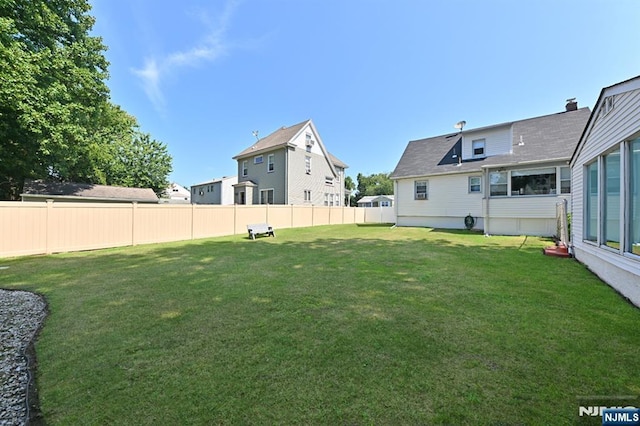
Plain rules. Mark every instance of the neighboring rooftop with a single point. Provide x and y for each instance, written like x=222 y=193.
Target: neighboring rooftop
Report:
x=79 y=191
x=280 y=138
x=549 y=137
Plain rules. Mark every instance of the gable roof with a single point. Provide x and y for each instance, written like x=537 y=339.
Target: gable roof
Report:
x=630 y=84
x=546 y=138
x=284 y=137
x=280 y=137
x=70 y=190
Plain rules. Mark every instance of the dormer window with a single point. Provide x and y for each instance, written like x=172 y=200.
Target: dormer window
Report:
x=477 y=148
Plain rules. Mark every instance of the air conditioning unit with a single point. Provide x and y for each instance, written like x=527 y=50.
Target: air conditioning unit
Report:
x=421 y=196
x=310 y=142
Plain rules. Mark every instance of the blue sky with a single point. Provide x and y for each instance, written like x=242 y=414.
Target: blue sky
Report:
x=201 y=75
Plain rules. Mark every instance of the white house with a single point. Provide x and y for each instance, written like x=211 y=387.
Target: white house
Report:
x=376 y=201
x=507 y=177
x=216 y=191
x=605 y=169
x=176 y=193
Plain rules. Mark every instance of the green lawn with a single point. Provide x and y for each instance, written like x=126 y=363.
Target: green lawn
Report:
x=331 y=325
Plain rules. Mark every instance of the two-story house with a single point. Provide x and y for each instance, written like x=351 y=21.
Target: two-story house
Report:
x=507 y=178
x=290 y=166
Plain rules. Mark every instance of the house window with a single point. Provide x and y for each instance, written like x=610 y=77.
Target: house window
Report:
x=336 y=199
x=611 y=200
x=326 y=199
x=475 y=184
x=533 y=182
x=498 y=183
x=307 y=196
x=385 y=204
x=194 y=190
x=634 y=197
x=565 y=180
x=421 y=189
x=328 y=180
x=308 y=142
x=266 y=196
x=591 y=203
x=258 y=159
x=270 y=160
x=245 y=170
x=307 y=164
x=477 y=148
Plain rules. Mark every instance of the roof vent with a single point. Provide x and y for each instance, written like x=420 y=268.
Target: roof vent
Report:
x=571 y=105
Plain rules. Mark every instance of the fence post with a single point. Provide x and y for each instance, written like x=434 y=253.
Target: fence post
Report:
x=193 y=212
x=134 y=208
x=235 y=217
x=49 y=227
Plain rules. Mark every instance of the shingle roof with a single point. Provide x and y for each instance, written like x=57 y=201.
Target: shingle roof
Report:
x=280 y=137
x=549 y=137
x=41 y=189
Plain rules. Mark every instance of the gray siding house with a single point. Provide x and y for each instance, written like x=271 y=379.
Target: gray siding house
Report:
x=290 y=166
x=217 y=191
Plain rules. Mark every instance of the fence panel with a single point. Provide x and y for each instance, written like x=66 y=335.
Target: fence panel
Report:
x=28 y=228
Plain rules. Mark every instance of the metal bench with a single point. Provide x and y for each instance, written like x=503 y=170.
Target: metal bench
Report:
x=260 y=229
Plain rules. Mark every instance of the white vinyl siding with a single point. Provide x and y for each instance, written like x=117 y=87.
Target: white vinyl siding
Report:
x=617 y=129
x=498 y=141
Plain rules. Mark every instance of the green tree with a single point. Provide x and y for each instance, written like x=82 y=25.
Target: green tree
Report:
x=56 y=118
x=375 y=184
x=349 y=186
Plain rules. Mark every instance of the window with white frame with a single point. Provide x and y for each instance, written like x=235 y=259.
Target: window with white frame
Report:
x=328 y=180
x=308 y=142
x=326 y=198
x=591 y=203
x=307 y=195
x=475 y=184
x=421 y=189
x=477 y=148
x=633 y=245
x=307 y=164
x=258 y=159
x=565 y=180
x=266 y=196
x=533 y=181
x=245 y=170
x=498 y=183
x=270 y=162
x=611 y=200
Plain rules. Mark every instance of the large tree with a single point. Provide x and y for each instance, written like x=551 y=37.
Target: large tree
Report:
x=56 y=118
x=375 y=184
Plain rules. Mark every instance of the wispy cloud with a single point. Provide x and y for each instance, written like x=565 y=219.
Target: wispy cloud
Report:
x=212 y=46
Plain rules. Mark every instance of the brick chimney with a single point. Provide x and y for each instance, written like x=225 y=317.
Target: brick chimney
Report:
x=571 y=105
